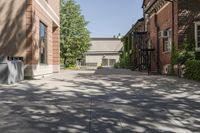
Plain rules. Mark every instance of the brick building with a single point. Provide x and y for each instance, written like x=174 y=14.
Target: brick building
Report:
x=31 y=29
x=132 y=43
x=168 y=23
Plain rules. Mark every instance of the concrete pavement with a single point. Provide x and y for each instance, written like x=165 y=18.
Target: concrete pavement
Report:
x=101 y=101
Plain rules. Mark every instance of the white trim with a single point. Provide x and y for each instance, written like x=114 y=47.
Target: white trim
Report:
x=196 y=35
x=51 y=9
x=48 y=12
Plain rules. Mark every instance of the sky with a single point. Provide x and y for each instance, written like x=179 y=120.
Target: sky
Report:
x=110 y=17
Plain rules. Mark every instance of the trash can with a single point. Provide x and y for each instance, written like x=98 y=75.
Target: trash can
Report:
x=11 y=70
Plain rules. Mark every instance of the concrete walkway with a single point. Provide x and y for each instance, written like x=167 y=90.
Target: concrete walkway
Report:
x=101 y=101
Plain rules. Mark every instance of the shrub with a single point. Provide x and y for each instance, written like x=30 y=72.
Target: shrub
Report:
x=192 y=70
x=72 y=67
x=117 y=65
x=197 y=55
x=100 y=67
x=184 y=56
x=174 y=55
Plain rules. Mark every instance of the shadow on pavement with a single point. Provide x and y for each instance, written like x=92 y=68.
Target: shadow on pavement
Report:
x=110 y=102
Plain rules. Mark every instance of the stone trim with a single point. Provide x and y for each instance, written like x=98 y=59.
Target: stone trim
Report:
x=49 y=11
x=156 y=7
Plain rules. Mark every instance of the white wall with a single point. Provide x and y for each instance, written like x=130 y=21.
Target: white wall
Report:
x=98 y=58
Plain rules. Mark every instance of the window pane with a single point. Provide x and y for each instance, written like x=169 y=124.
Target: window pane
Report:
x=198 y=27
x=198 y=44
x=165 y=44
x=104 y=62
x=198 y=38
x=112 y=62
x=43 y=43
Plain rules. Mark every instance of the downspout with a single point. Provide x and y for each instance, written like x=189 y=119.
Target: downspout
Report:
x=173 y=28
x=173 y=17
x=158 y=43
x=173 y=32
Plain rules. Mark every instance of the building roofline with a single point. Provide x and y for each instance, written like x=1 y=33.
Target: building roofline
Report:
x=149 y=6
x=104 y=38
x=143 y=3
x=131 y=29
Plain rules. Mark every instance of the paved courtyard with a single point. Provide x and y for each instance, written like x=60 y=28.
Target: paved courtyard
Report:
x=101 y=101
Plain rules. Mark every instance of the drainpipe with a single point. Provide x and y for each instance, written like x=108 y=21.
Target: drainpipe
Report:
x=158 y=43
x=173 y=30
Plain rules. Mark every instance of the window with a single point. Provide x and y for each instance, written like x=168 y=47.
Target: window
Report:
x=104 y=62
x=108 y=62
x=197 y=36
x=43 y=43
x=167 y=40
x=166 y=45
x=112 y=62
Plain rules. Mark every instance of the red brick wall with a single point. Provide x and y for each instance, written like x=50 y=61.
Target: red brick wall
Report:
x=29 y=25
x=164 y=20
x=159 y=21
x=34 y=15
x=12 y=28
x=152 y=32
x=189 y=11
x=56 y=46
x=186 y=12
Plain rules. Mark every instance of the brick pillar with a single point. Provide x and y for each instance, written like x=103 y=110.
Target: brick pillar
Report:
x=56 y=49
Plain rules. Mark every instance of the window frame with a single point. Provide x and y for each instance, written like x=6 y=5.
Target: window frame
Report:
x=45 y=62
x=167 y=47
x=196 y=36
x=105 y=64
x=112 y=62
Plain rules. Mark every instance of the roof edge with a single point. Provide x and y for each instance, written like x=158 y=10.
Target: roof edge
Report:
x=104 y=38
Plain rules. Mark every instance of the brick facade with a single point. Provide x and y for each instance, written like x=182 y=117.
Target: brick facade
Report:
x=175 y=16
x=28 y=46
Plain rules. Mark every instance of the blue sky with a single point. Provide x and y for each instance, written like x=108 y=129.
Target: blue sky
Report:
x=110 y=17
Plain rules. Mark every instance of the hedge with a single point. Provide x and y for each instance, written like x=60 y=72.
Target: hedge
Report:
x=197 y=55
x=192 y=70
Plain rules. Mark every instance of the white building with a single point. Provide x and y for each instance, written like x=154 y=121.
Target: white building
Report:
x=103 y=52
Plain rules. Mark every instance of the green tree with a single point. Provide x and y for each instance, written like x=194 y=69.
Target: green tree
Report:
x=75 y=37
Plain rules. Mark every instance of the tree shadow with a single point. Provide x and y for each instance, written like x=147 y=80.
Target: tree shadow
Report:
x=101 y=103
x=16 y=35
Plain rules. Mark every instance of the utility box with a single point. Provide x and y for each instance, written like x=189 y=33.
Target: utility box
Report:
x=11 y=70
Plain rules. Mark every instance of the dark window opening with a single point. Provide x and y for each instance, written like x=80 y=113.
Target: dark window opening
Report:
x=198 y=36
x=104 y=62
x=43 y=43
x=167 y=40
x=112 y=62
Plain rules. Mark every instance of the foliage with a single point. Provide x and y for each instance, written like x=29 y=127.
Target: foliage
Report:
x=192 y=70
x=117 y=65
x=72 y=67
x=174 y=55
x=75 y=37
x=124 y=60
x=184 y=56
x=197 y=55
x=188 y=53
x=100 y=67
